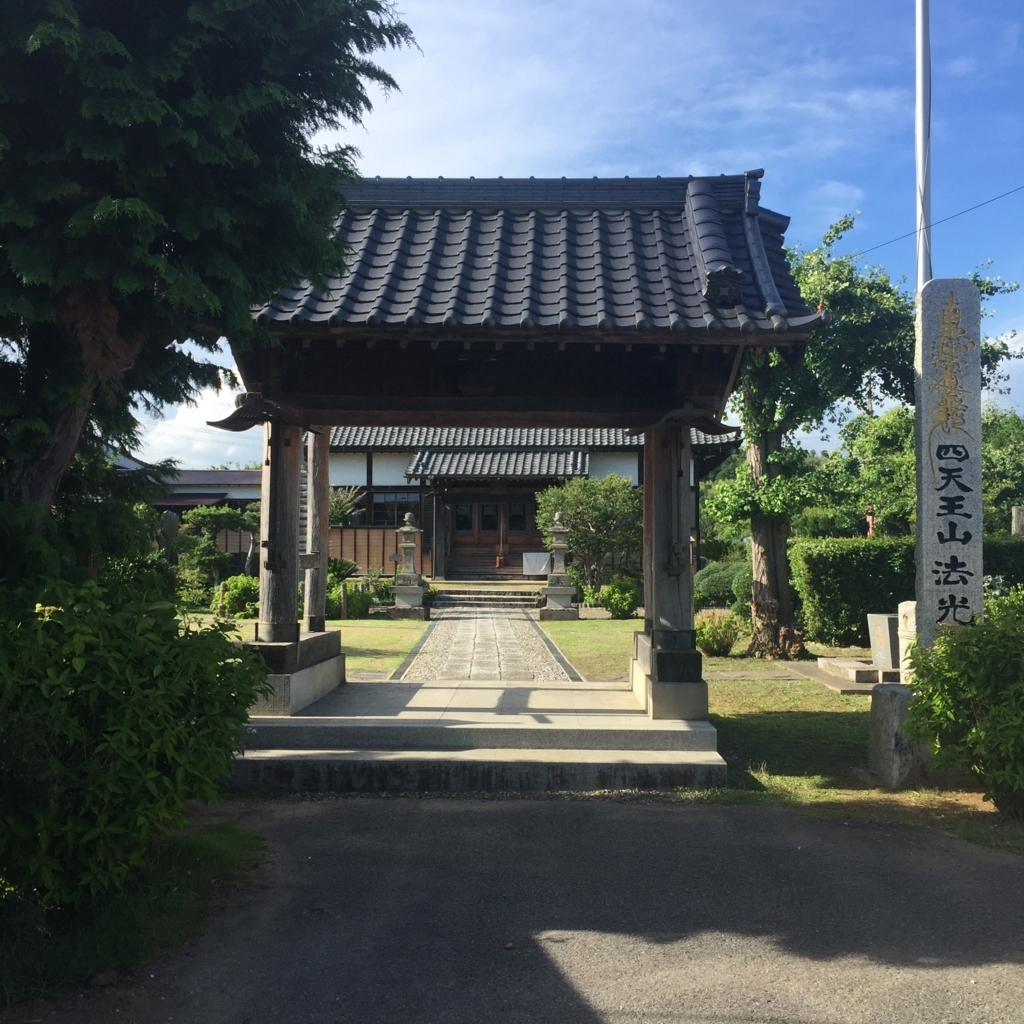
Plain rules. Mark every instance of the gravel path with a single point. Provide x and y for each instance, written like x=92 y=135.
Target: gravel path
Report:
x=485 y=644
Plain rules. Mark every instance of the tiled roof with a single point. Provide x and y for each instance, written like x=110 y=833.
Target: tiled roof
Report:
x=217 y=478
x=361 y=439
x=411 y=438
x=495 y=463
x=680 y=254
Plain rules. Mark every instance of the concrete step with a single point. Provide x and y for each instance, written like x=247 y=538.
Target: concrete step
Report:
x=519 y=732
x=487 y=601
x=858 y=670
x=509 y=770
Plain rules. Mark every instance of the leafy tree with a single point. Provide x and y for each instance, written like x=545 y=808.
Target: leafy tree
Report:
x=157 y=178
x=870 y=337
x=863 y=355
x=873 y=468
x=1002 y=466
x=605 y=519
x=345 y=505
x=201 y=562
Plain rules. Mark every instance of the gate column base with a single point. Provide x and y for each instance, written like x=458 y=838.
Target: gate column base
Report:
x=667 y=679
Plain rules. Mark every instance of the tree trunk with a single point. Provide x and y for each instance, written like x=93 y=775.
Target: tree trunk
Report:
x=772 y=608
x=35 y=482
x=72 y=356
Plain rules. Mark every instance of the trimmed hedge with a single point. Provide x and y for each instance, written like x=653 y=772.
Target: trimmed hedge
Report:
x=841 y=580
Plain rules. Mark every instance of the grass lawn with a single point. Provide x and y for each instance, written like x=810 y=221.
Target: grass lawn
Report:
x=370 y=645
x=377 y=645
x=188 y=875
x=792 y=741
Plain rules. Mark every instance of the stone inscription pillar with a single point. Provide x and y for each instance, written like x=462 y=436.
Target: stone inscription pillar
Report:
x=947 y=369
x=318 y=499
x=279 y=534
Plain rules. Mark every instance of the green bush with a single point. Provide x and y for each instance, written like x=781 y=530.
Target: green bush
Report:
x=743 y=591
x=358 y=601
x=1004 y=556
x=241 y=596
x=969 y=700
x=113 y=713
x=620 y=597
x=713 y=585
x=339 y=569
x=841 y=580
x=717 y=632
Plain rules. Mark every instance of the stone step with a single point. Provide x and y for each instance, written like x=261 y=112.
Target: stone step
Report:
x=487 y=601
x=515 y=770
x=858 y=670
x=518 y=732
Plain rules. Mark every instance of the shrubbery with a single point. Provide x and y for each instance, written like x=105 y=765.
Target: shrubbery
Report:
x=241 y=596
x=621 y=597
x=717 y=632
x=841 y=580
x=113 y=713
x=358 y=601
x=969 y=700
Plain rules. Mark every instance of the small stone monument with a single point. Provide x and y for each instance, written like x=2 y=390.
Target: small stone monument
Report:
x=559 y=592
x=409 y=589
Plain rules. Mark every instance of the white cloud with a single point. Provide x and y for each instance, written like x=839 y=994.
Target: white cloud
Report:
x=184 y=435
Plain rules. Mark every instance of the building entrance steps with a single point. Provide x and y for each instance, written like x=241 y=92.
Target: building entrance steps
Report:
x=484 y=702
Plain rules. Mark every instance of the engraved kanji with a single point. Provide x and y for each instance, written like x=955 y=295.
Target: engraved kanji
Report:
x=953 y=505
x=952 y=475
x=952 y=453
x=952 y=606
x=952 y=573
x=954 y=537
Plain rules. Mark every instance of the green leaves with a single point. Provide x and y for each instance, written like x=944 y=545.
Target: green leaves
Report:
x=969 y=700
x=100 y=751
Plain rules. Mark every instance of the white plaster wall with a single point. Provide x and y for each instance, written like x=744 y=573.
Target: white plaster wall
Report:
x=622 y=463
x=347 y=469
x=389 y=468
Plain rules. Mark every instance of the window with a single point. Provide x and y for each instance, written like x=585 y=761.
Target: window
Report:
x=464 y=518
x=490 y=518
x=517 y=519
x=389 y=507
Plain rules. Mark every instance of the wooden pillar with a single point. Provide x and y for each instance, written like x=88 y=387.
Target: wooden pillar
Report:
x=668 y=520
x=318 y=500
x=279 y=534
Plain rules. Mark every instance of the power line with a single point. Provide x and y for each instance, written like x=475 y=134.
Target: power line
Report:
x=952 y=216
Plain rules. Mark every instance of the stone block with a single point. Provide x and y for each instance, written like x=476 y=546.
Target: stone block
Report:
x=883 y=631
x=892 y=758
x=404 y=612
x=557 y=614
x=288 y=657
x=668 y=683
x=409 y=596
x=294 y=691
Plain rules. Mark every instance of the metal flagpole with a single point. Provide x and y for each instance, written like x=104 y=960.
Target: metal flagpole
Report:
x=923 y=146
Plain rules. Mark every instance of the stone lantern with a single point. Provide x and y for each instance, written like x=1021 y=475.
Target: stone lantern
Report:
x=409 y=589
x=559 y=592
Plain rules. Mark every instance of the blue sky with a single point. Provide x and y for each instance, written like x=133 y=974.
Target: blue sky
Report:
x=820 y=94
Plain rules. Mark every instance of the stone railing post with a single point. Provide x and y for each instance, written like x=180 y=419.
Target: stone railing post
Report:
x=559 y=592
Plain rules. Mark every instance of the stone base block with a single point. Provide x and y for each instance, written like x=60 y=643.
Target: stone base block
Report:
x=558 y=614
x=409 y=597
x=680 y=701
x=893 y=759
x=399 y=612
x=294 y=691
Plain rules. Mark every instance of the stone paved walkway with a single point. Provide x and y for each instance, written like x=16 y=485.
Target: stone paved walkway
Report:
x=484 y=644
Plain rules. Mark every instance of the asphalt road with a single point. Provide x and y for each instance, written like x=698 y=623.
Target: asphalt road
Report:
x=431 y=910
